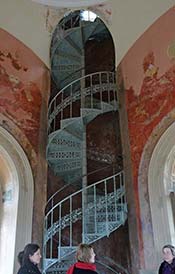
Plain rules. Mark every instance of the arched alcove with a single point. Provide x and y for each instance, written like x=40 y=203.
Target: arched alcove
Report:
x=160 y=203
x=81 y=44
x=16 y=183
x=155 y=203
x=83 y=58
x=151 y=182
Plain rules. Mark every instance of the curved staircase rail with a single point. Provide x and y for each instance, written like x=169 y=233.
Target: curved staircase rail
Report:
x=91 y=90
x=55 y=198
x=93 y=212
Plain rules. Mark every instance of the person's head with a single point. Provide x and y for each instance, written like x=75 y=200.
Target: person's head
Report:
x=85 y=253
x=168 y=253
x=31 y=254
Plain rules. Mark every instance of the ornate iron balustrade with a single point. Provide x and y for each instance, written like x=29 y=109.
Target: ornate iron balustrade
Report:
x=94 y=211
x=92 y=91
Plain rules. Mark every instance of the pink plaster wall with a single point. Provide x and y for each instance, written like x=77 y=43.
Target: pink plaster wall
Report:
x=24 y=92
x=21 y=86
x=148 y=71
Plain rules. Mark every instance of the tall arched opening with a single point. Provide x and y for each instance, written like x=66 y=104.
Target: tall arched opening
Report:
x=16 y=192
x=159 y=186
x=84 y=142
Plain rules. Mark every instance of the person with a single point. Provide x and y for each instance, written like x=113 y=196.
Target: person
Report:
x=85 y=261
x=29 y=259
x=168 y=265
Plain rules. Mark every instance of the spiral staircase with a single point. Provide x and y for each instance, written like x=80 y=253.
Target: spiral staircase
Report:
x=67 y=49
x=95 y=210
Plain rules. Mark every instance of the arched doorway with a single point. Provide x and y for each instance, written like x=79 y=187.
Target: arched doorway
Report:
x=159 y=178
x=16 y=187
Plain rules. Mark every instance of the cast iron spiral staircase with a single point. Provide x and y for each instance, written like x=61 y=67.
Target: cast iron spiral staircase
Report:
x=96 y=210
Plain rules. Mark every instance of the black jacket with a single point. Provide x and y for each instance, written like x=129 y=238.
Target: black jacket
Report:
x=29 y=268
x=166 y=268
x=83 y=271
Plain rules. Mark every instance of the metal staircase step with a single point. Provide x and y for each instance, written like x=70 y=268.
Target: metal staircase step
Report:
x=74 y=126
x=64 y=155
x=106 y=107
x=101 y=232
x=47 y=263
x=61 y=267
x=66 y=251
x=101 y=224
x=89 y=114
x=60 y=264
x=70 y=49
x=73 y=176
x=63 y=146
x=115 y=105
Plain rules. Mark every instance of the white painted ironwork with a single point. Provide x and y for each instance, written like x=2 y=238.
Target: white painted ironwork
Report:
x=102 y=212
x=97 y=210
x=112 y=267
x=69 y=113
x=99 y=83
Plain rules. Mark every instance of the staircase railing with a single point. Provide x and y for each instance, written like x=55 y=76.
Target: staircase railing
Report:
x=55 y=198
x=91 y=91
x=94 y=212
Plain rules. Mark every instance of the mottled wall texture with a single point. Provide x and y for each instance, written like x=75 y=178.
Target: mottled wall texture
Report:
x=148 y=73
x=24 y=91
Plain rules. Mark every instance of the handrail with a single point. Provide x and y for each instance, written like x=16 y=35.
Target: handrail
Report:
x=75 y=81
x=84 y=88
x=81 y=190
x=66 y=185
x=92 y=209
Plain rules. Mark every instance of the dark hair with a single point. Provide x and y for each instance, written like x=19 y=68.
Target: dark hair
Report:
x=20 y=257
x=29 y=250
x=171 y=247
